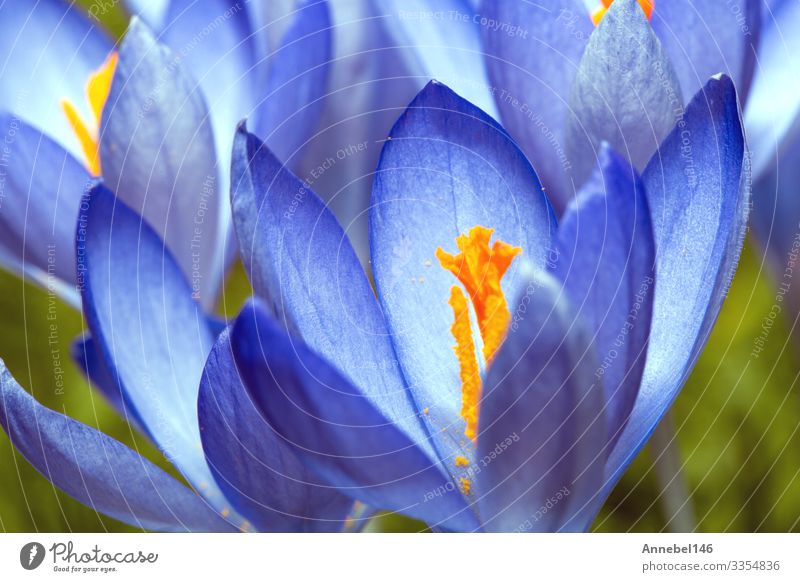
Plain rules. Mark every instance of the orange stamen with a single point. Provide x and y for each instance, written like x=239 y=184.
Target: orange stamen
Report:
x=468 y=363
x=480 y=269
x=462 y=461
x=98 y=88
x=600 y=11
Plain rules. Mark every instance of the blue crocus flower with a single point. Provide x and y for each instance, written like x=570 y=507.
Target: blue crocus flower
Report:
x=148 y=347
x=506 y=370
x=155 y=117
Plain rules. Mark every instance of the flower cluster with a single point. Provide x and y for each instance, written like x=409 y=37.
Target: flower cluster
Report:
x=553 y=223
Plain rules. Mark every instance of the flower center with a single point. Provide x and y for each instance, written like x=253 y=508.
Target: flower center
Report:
x=600 y=11
x=480 y=269
x=97 y=89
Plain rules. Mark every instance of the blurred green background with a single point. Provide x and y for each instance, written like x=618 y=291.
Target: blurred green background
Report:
x=736 y=419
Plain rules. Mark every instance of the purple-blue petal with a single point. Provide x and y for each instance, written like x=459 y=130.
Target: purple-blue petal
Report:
x=301 y=263
x=541 y=433
x=296 y=82
x=709 y=37
x=152 y=336
x=370 y=84
x=336 y=430
x=153 y=12
x=41 y=190
x=157 y=154
x=773 y=108
x=606 y=259
x=532 y=74
x=256 y=470
x=213 y=41
x=442 y=41
x=97 y=470
x=698 y=192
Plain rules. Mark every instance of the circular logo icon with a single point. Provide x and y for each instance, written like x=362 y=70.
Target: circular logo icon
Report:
x=31 y=555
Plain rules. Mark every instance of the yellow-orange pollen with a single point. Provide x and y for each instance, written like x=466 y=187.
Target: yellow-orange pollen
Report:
x=97 y=89
x=480 y=268
x=600 y=11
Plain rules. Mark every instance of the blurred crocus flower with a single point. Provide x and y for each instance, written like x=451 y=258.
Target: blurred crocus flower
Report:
x=154 y=117
x=148 y=347
x=505 y=370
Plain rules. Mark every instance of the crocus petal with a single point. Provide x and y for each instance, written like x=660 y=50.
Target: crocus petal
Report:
x=709 y=37
x=153 y=12
x=300 y=261
x=774 y=104
x=370 y=84
x=41 y=188
x=698 y=192
x=297 y=82
x=446 y=168
x=532 y=74
x=776 y=217
x=157 y=154
x=443 y=39
x=213 y=39
x=336 y=430
x=48 y=49
x=97 y=470
x=625 y=92
x=269 y=21
x=259 y=474
x=606 y=258
x=153 y=337
x=542 y=426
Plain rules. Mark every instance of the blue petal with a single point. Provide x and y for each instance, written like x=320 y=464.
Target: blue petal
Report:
x=214 y=43
x=443 y=40
x=300 y=261
x=98 y=470
x=264 y=480
x=153 y=12
x=157 y=153
x=153 y=338
x=269 y=20
x=698 y=192
x=774 y=104
x=606 y=258
x=297 y=82
x=48 y=49
x=776 y=217
x=41 y=186
x=446 y=168
x=625 y=92
x=532 y=73
x=710 y=37
x=336 y=430
x=542 y=428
